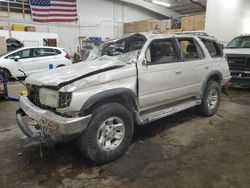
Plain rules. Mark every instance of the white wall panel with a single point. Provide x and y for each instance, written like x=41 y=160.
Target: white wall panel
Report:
x=226 y=19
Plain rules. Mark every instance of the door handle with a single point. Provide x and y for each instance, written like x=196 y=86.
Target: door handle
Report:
x=178 y=72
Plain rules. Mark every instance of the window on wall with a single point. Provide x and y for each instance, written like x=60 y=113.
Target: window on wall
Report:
x=17 y=6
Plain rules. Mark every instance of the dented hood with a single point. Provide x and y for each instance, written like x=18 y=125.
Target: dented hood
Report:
x=65 y=75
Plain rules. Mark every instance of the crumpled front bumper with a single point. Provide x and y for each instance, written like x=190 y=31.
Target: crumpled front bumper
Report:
x=49 y=125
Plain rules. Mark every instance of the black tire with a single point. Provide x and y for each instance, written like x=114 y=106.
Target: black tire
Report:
x=204 y=109
x=88 y=141
x=7 y=74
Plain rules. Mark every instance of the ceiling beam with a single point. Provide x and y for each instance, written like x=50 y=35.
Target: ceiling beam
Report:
x=153 y=7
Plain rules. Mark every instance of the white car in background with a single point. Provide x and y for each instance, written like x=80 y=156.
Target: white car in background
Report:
x=33 y=60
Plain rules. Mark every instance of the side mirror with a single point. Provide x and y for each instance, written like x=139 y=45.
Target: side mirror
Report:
x=17 y=57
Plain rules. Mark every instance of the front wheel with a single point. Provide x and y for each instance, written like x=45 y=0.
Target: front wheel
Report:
x=211 y=99
x=108 y=134
x=7 y=74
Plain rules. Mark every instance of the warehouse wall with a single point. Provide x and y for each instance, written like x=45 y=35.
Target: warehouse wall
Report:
x=102 y=18
x=226 y=19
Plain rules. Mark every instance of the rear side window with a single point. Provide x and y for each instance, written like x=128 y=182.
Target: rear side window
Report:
x=213 y=48
x=58 y=51
x=43 y=52
x=190 y=49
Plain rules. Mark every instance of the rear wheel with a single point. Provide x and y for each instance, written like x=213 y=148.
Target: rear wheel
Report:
x=211 y=99
x=108 y=134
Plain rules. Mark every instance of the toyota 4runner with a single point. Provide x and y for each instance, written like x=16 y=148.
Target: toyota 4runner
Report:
x=148 y=78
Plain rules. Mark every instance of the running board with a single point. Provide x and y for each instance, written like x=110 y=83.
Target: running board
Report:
x=153 y=116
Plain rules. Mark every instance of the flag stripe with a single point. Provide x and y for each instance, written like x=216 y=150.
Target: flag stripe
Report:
x=55 y=20
x=58 y=15
x=54 y=10
x=53 y=7
x=62 y=5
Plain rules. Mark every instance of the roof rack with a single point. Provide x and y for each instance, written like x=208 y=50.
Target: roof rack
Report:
x=199 y=33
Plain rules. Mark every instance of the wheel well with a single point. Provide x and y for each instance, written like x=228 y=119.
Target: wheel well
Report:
x=214 y=77
x=8 y=72
x=62 y=65
x=125 y=100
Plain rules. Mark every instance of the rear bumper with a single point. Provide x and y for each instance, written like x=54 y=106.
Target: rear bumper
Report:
x=49 y=125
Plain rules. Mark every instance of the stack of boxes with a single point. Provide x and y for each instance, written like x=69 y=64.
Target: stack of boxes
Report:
x=187 y=23
x=20 y=27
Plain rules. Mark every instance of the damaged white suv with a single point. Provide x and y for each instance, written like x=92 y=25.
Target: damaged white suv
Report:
x=140 y=79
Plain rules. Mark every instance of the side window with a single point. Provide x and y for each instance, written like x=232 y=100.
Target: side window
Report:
x=11 y=56
x=43 y=52
x=213 y=48
x=58 y=51
x=49 y=52
x=24 y=54
x=161 y=51
x=190 y=49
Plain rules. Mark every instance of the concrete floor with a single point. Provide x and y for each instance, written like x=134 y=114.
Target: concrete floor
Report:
x=183 y=150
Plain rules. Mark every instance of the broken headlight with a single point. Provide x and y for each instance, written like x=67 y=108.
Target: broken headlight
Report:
x=49 y=97
x=65 y=99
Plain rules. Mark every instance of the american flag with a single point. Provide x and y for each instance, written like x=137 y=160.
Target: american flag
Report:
x=54 y=10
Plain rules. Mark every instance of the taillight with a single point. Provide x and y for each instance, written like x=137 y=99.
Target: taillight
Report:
x=67 y=55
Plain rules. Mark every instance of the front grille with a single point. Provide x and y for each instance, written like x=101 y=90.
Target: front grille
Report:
x=239 y=62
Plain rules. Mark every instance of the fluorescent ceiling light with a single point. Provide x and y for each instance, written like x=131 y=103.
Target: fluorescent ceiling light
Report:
x=161 y=3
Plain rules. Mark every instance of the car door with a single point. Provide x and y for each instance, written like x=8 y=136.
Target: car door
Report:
x=25 y=62
x=47 y=58
x=196 y=65
x=161 y=76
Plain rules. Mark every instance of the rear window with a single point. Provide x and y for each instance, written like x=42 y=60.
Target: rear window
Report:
x=58 y=51
x=213 y=48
